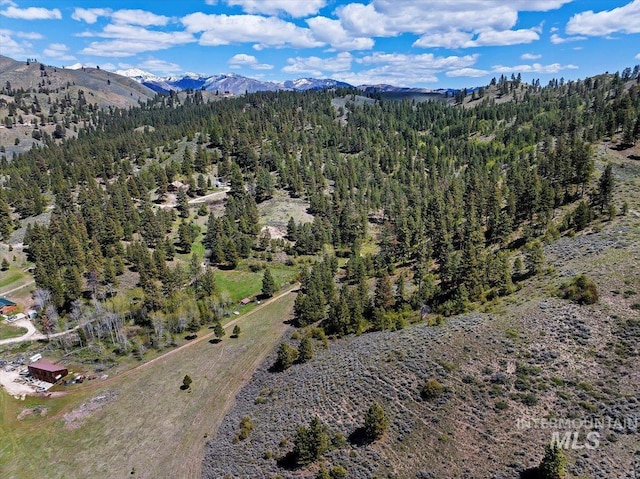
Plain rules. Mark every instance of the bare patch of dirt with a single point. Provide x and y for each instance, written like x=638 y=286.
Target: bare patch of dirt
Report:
x=76 y=418
x=40 y=411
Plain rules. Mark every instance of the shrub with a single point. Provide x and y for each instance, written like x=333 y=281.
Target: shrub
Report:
x=246 y=426
x=186 y=382
x=580 y=290
x=431 y=390
x=286 y=357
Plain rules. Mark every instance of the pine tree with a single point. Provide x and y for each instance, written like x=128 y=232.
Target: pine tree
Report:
x=268 y=284
x=305 y=350
x=287 y=355
x=553 y=463
x=383 y=297
x=605 y=188
x=375 y=422
x=310 y=443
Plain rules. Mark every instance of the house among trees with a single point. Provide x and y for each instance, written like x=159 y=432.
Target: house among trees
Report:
x=176 y=186
x=7 y=306
x=47 y=371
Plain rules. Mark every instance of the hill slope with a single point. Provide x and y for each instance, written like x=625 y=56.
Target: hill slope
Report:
x=104 y=88
x=533 y=357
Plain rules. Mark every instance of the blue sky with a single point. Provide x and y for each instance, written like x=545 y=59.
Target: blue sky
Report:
x=426 y=43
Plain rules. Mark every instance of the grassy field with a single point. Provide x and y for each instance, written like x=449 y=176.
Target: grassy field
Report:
x=8 y=331
x=241 y=284
x=140 y=423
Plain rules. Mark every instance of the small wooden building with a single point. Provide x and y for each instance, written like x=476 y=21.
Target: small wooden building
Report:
x=46 y=371
x=7 y=306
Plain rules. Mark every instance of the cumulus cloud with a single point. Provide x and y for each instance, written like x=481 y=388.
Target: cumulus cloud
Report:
x=466 y=72
x=129 y=40
x=275 y=7
x=89 y=15
x=59 y=51
x=332 y=33
x=155 y=65
x=31 y=13
x=534 y=68
x=557 y=39
x=139 y=17
x=530 y=56
x=637 y=57
x=14 y=48
x=625 y=19
x=317 y=66
x=25 y=35
x=403 y=69
x=442 y=23
x=264 y=31
x=243 y=60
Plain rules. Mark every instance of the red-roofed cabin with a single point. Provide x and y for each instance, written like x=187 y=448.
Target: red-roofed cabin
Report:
x=7 y=306
x=46 y=371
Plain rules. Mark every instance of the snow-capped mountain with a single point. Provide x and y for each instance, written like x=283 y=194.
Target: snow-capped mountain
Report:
x=224 y=83
x=302 y=84
x=231 y=83
x=78 y=66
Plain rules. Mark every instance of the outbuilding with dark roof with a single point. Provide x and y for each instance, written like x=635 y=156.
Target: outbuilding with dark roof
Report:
x=47 y=371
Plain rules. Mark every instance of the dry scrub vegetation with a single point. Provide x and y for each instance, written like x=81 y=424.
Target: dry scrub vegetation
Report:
x=533 y=356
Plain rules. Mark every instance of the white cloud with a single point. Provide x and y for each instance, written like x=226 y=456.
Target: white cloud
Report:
x=89 y=15
x=466 y=72
x=625 y=19
x=443 y=23
x=15 y=49
x=423 y=61
x=129 y=40
x=557 y=39
x=59 y=51
x=402 y=69
x=506 y=37
x=25 y=35
x=243 y=60
x=331 y=32
x=139 y=17
x=32 y=13
x=530 y=56
x=534 y=68
x=459 y=39
x=264 y=31
x=317 y=66
x=294 y=8
x=637 y=57
x=155 y=65
x=451 y=39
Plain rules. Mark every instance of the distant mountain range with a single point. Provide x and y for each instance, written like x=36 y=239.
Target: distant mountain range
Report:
x=231 y=83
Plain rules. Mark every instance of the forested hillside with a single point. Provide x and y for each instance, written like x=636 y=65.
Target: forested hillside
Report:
x=156 y=221
x=440 y=206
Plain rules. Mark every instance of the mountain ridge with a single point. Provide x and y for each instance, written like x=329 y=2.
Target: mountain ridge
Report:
x=233 y=83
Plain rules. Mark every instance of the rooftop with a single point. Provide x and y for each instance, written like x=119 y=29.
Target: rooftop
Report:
x=6 y=302
x=47 y=366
